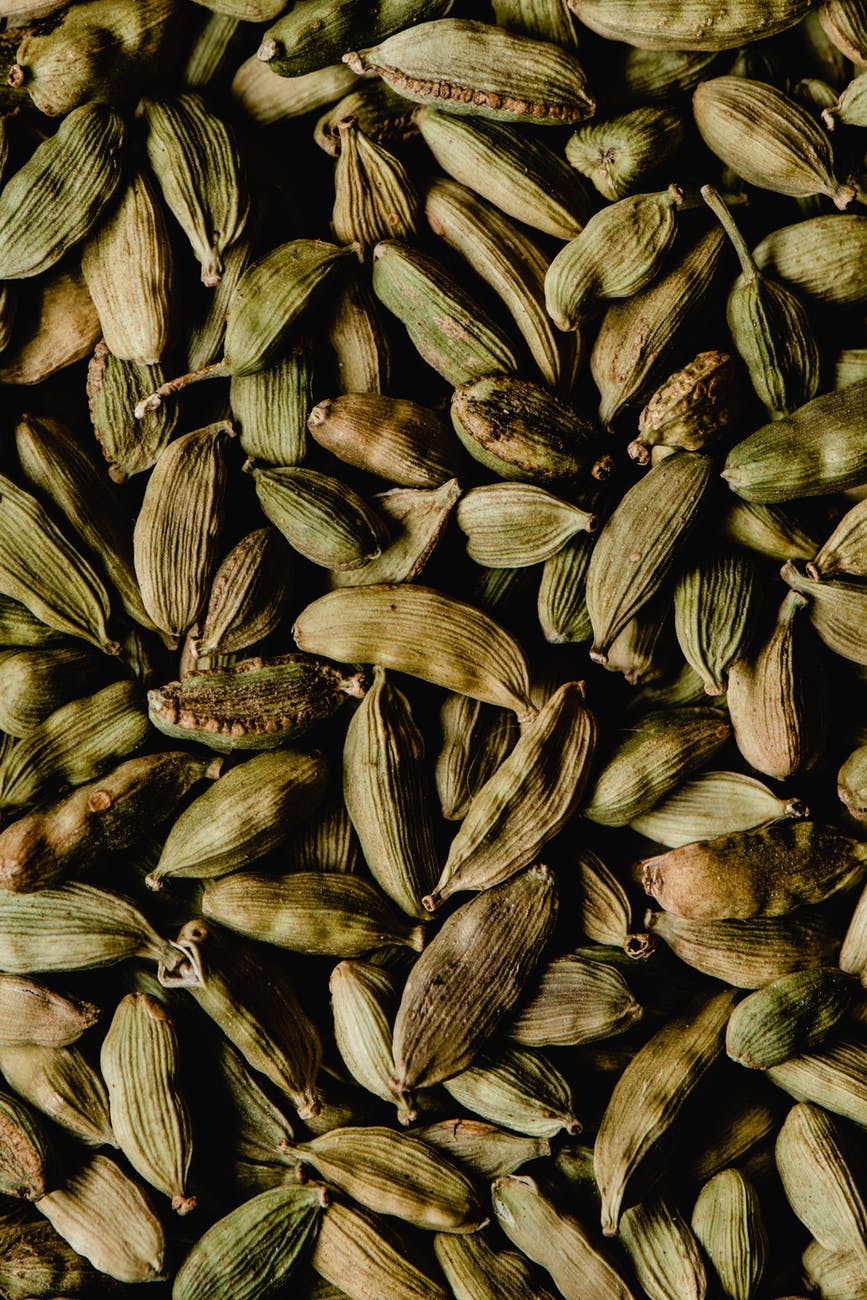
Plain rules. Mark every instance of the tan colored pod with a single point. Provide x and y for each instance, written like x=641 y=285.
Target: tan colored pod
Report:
x=727 y=1220
x=374 y=197
x=692 y=409
x=267 y=99
x=845 y=551
x=484 y=1149
x=821 y=1168
x=26 y=1161
x=62 y=1084
x=55 y=326
x=517 y=1088
x=515 y=525
x=836 y=609
x=36 y=1257
x=359 y=338
x=651 y=1092
x=475 y=1271
x=106 y=1218
x=416 y=519
x=396 y=439
x=663 y=1249
x=140 y=1061
x=355 y=1256
x=713 y=804
x=690 y=25
x=364 y=1002
x=113 y=388
x=475 y=740
x=470 y=976
x=31 y=1012
x=604 y=910
x=840 y=1276
x=572 y=1002
x=831 y=1077
x=248 y=596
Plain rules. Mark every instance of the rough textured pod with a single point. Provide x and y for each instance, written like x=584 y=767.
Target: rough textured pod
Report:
x=789 y=1016
x=616 y=154
x=693 y=25
x=821 y=1170
x=664 y=1251
x=727 y=1220
x=747 y=954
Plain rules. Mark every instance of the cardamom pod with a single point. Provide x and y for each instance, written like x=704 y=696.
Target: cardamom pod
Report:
x=836 y=610
x=113 y=388
x=517 y=525
x=394 y=438
x=561 y=607
x=692 y=409
x=35 y=681
x=318 y=33
x=821 y=1167
x=55 y=326
x=618 y=153
x=852 y=783
x=249 y=595
x=482 y=1148
x=416 y=518
x=688 y=25
x=713 y=804
x=789 y=1016
x=473 y=1269
x=476 y=739
x=354 y=1255
x=62 y=1084
x=25 y=1157
x=374 y=197
x=727 y=1220
x=267 y=99
x=519 y=1089
x=821 y=258
x=270 y=407
x=716 y=608
x=30 y=1012
x=574 y=1002
x=359 y=339
x=364 y=1002
x=664 y=1251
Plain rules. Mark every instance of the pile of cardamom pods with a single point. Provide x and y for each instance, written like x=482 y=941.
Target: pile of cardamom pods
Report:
x=433 y=649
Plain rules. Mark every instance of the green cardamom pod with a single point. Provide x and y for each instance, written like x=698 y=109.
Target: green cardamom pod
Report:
x=267 y=99
x=351 y=1252
x=689 y=25
x=364 y=1002
x=374 y=197
x=248 y=597
x=845 y=551
x=113 y=388
x=35 y=681
x=604 y=910
x=519 y=1089
x=36 y=1261
x=482 y=1148
x=713 y=804
x=319 y=32
x=561 y=606
x=716 y=608
x=25 y=1157
x=476 y=739
x=692 y=409
x=664 y=1251
x=837 y=1275
x=768 y=530
x=727 y=1220
x=821 y=1168
x=270 y=407
x=832 y=1077
x=320 y=516
x=393 y=438
x=62 y=1084
x=618 y=153
x=792 y=1015
x=515 y=525
x=836 y=609
x=851 y=784
x=473 y=1269
x=359 y=340
x=382 y=114
x=574 y=1002
x=821 y=258
x=416 y=519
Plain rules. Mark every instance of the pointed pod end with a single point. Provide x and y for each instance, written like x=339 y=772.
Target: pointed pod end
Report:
x=17 y=76
x=638 y=452
x=598 y=655
x=797 y=808
x=431 y=902
x=843 y=196
x=183 y=1204
x=354 y=60
x=268 y=50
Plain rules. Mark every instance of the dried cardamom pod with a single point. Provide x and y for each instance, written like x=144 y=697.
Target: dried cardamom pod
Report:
x=210 y=61
x=821 y=258
x=36 y=1261
x=364 y=1002
x=530 y=797
x=663 y=1249
x=113 y=388
x=416 y=518
x=727 y=1220
x=476 y=739
x=32 y=1013
x=519 y=1089
x=852 y=783
x=382 y=114
x=839 y=1274
x=267 y=99
x=269 y=408
x=690 y=25
x=473 y=1269
x=473 y=67
x=604 y=910
x=260 y=1132
x=481 y=1148
x=320 y=516
x=128 y=266
x=845 y=551
x=792 y=1015
x=767 y=138
x=25 y=1158
x=832 y=1077
x=319 y=33
x=209 y=202
x=821 y=1168
x=515 y=525
x=207 y=333
x=836 y=609
x=353 y=1254
x=35 y=681
x=391 y=437
x=561 y=606
x=574 y=1002
x=419 y=631
x=641 y=649
x=359 y=339
x=54 y=200
x=248 y=597
x=738 y=1124
x=640 y=542
x=658 y=751
x=55 y=325
x=374 y=197
x=519 y=174
x=326 y=841
x=62 y=1084
x=713 y=804
x=716 y=608
x=768 y=530
x=692 y=409
x=444 y=322
x=255 y=704
x=618 y=153
x=248 y=812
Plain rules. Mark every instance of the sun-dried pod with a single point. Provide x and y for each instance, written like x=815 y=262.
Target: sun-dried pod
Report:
x=320 y=516
x=845 y=551
x=692 y=409
x=374 y=197
x=43 y=570
x=770 y=327
x=770 y=871
x=25 y=1158
x=255 y=704
x=396 y=626
x=650 y=1094
x=519 y=174
x=512 y=262
x=637 y=336
x=140 y=1060
x=35 y=681
x=583 y=274
x=821 y=258
x=768 y=530
x=210 y=62
x=692 y=25
x=658 y=76
x=820 y=1167
x=391 y=437
x=792 y=1015
x=54 y=200
x=68 y=474
x=20 y=628
x=197 y=166
x=259 y=1131
x=359 y=339
x=713 y=804
x=206 y=333
x=836 y=609
x=716 y=606
x=833 y=1274
x=561 y=605
x=382 y=114
x=416 y=518
x=395 y=1174
x=845 y=25
x=128 y=266
x=318 y=33
x=177 y=529
x=574 y=1002
x=62 y=1084
x=641 y=541
x=604 y=910
x=254 y=1006
x=54 y=326
x=555 y=1239
x=522 y=431
x=364 y=1002
x=476 y=739
x=328 y=913
x=106 y=816
x=850 y=109
x=32 y=1013
x=831 y=1077
x=444 y=322
x=515 y=525
x=353 y=1253
x=255 y=1248
x=482 y=1148
x=618 y=153
x=473 y=67
x=37 y=1261
x=113 y=388
x=270 y=408
x=267 y=99
x=527 y=801
x=640 y=651
x=74 y=744
x=104 y=1216
x=747 y=954
x=248 y=812
x=664 y=1251
x=546 y=20
x=249 y=595
x=474 y=1270
x=386 y=793
x=326 y=841
x=519 y=1089
x=852 y=783
x=470 y=977
x=727 y=1220
x=658 y=752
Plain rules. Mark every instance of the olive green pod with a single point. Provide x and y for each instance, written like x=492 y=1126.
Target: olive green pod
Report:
x=604 y=910
x=472 y=67
x=850 y=108
x=267 y=99
x=546 y=20
x=640 y=543
x=821 y=1170
x=713 y=804
x=113 y=388
x=416 y=518
x=381 y=112
x=483 y=1149
x=738 y=1125
x=618 y=153
x=325 y=913
x=249 y=595
x=385 y=789
x=792 y=1015
x=470 y=976
x=638 y=335
x=255 y=704
x=555 y=1239
x=54 y=200
x=747 y=954
x=529 y=799
x=36 y=1261
x=36 y=681
x=62 y=1084
x=716 y=607
x=650 y=1093
x=690 y=25
x=320 y=516
x=659 y=750
x=26 y=1161
x=583 y=274
x=836 y=609
x=318 y=33
x=259 y=1132
x=519 y=1089
x=845 y=551
x=517 y=173
x=396 y=1174
x=522 y=431
x=475 y=1271
x=821 y=258
x=692 y=409
x=476 y=739
x=270 y=407
x=364 y=1002
x=664 y=1251
x=727 y=1220
x=831 y=1077
x=19 y=627
x=768 y=530
x=353 y=1253
x=359 y=339
x=104 y=1216
x=574 y=1002
x=767 y=138
x=391 y=437
x=209 y=64
x=561 y=606
x=515 y=525
x=444 y=322
x=374 y=197
x=852 y=783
